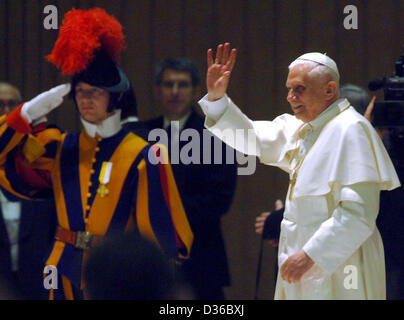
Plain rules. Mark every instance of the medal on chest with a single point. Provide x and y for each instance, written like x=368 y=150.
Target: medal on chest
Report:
x=104 y=178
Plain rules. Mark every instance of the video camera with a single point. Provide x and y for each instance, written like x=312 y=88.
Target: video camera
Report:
x=390 y=112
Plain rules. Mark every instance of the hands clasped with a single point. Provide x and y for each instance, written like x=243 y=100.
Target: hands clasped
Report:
x=44 y=103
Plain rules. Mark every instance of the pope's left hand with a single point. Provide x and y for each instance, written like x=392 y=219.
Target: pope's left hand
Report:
x=296 y=266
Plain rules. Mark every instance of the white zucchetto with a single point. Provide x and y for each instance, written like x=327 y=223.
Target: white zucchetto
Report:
x=320 y=58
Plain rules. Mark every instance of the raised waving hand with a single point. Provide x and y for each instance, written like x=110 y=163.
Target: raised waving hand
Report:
x=219 y=70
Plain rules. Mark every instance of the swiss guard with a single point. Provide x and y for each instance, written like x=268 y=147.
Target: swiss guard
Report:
x=105 y=179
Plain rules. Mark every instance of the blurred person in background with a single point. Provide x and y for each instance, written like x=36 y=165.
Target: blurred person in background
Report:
x=128 y=267
x=26 y=227
x=206 y=189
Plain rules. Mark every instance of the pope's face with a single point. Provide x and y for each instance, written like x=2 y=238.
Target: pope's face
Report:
x=92 y=102
x=306 y=92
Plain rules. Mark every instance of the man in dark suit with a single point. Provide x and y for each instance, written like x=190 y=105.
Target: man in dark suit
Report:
x=206 y=188
x=26 y=230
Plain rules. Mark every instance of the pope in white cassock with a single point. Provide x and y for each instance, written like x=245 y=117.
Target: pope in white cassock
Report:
x=329 y=247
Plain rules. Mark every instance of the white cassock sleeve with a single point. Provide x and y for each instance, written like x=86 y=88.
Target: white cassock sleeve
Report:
x=268 y=140
x=213 y=109
x=351 y=224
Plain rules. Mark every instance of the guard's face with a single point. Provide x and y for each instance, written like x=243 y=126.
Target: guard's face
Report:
x=306 y=93
x=8 y=100
x=92 y=102
x=176 y=93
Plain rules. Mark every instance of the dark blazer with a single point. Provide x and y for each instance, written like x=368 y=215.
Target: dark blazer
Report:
x=206 y=191
x=36 y=231
x=390 y=223
x=137 y=127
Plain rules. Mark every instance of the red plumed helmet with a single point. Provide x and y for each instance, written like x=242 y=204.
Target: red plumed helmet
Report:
x=84 y=32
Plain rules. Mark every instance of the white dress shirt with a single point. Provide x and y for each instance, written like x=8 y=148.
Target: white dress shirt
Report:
x=11 y=215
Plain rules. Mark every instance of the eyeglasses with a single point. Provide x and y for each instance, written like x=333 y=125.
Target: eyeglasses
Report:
x=8 y=103
x=181 y=85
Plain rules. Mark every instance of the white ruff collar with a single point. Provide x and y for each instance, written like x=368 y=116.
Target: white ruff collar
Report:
x=109 y=127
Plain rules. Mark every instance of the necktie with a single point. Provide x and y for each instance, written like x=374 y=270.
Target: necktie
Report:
x=173 y=141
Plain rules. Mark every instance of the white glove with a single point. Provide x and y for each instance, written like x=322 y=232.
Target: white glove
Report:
x=38 y=121
x=44 y=103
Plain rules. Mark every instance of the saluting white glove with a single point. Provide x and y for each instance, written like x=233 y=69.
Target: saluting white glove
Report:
x=44 y=103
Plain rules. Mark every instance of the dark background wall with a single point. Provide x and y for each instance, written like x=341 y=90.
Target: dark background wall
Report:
x=268 y=34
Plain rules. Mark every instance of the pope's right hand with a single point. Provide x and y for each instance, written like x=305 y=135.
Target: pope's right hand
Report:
x=219 y=70
x=44 y=103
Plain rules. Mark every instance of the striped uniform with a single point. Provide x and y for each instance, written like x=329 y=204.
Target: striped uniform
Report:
x=142 y=196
